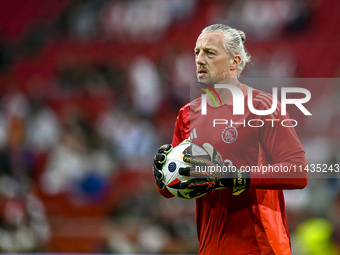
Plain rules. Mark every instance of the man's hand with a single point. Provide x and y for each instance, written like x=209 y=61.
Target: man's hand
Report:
x=158 y=161
x=212 y=174
x=206 y=174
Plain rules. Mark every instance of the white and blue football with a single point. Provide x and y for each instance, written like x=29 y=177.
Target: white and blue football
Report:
x=174 y=162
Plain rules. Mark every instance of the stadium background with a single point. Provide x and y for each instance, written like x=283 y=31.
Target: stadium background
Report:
x=91 y=88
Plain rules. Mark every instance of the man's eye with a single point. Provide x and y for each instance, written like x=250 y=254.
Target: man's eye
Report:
x=210 y=53
x=197 y=52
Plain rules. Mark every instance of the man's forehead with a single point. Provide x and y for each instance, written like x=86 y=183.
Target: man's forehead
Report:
x=213 y=39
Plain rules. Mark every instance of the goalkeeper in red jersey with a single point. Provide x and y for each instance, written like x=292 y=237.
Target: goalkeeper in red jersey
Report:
x=242 y=212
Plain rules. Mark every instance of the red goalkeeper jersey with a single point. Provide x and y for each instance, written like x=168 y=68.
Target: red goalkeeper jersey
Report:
x=254 y=222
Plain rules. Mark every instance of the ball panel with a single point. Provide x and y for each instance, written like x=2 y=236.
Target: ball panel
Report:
x=171 y=176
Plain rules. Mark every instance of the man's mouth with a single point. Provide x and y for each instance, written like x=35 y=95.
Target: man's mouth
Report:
x=201 y=73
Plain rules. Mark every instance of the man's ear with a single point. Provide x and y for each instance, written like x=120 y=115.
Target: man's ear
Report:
x=235 y=62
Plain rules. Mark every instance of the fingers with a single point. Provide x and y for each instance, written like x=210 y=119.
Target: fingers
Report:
x=197 y=193
x=194 y=183
x=160 y=184
x=199 y=173
x=159 y=158
x=210 y=149
x=159 y=175
x=188 y=171
x=165 y=149
x=215 y=156
x=199 y=186
x=198 y=189
x=196 y=161
x=185 y=171
x=203 y=184
x=201 y=168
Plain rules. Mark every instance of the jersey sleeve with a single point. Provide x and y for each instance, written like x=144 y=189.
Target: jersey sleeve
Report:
x=182 y=126
x=281 y=156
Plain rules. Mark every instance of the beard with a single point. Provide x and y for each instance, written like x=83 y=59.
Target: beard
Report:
x=217 y=80
x=221 y=78
x=210 y=81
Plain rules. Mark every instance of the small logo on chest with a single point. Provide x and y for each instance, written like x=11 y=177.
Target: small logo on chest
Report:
x=229 y=134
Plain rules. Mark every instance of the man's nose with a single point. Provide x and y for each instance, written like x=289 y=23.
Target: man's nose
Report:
x=200 y=58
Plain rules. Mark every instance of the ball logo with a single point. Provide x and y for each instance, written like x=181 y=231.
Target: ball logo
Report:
x=172 y=167
x=229 y=134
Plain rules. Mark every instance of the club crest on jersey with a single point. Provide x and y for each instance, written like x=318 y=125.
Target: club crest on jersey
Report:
x=229 y=134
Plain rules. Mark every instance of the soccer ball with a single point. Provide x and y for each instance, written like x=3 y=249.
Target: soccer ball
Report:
x=174 y=161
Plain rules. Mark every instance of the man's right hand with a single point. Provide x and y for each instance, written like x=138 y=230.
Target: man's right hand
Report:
x=217 y=176
x=158 y=161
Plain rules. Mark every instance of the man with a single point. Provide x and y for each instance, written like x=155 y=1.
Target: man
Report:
x=242 y=212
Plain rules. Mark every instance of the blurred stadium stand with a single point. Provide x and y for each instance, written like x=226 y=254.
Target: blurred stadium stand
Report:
x=91 y=88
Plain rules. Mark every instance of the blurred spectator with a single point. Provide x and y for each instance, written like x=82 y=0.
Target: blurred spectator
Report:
x=24 y=226
x=16 y=159
x=7 y=56
x=146 y=94
x=154 y=225
x=82 y=19
x=43 y=129
x=265 y=19
x=144 y=20
x=78 y=165
x=280 y=63
x=184 y=74
x=23 y=222
x=132 y=139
